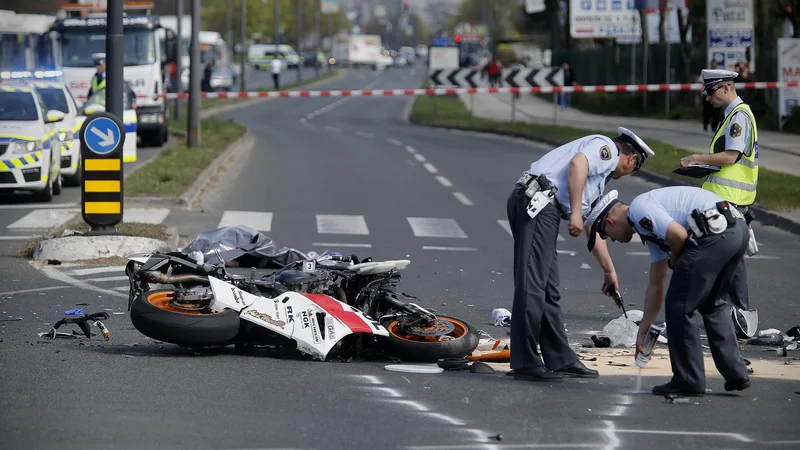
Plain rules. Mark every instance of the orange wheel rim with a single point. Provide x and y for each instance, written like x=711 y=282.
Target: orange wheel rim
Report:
x=459 y=331
x=161 y=300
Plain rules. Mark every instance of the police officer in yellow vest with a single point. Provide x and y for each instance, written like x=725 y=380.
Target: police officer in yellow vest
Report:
x=99 y=78
x=734 y=148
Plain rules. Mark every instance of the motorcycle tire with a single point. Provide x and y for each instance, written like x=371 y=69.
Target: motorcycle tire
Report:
x=463 y=341
x=154 y=317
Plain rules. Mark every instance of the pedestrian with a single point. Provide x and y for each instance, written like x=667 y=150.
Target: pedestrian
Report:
x=702 y=238
x=563 y=184
x=734 y=149
x=711 y=115
x=275 y=65
x=205 y=83
x=99 y=78
x=569 y=79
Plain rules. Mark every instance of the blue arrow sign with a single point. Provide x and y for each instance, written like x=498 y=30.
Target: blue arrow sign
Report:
x=102 y=135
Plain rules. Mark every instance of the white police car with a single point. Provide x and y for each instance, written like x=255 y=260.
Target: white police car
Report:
x=57 y=97
x=97 y=103
x=29 y=146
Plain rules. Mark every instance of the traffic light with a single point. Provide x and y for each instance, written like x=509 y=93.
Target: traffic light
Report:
x=405 y=6
x=458 y=39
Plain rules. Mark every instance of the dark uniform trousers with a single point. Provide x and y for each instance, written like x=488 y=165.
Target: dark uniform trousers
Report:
x=703 y=272
x=536 y=313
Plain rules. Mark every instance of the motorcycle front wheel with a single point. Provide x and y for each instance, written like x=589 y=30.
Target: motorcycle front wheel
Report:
x=156 y=315
x=461 y=341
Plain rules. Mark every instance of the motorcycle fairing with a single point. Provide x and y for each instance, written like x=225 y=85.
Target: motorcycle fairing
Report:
x=229 y=296
x=139 y=257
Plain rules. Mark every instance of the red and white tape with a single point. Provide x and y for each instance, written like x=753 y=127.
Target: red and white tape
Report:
x=453 y=91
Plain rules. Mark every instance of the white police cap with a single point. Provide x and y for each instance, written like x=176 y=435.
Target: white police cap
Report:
x=98 y=57
x=638 y=145
x=599 y=212
x=711 y=77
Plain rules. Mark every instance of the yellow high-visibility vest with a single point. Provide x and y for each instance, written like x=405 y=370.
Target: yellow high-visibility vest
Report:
x=736 y=182
x=97 y=86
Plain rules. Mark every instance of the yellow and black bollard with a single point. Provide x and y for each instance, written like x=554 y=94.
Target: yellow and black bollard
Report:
x=101 y=138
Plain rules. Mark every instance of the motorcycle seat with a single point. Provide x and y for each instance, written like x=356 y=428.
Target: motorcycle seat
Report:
x=376 y=267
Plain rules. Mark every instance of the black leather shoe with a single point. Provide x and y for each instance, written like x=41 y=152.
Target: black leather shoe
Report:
x=536 y=374
x=578 y=370
x=737 y=385
x=673 y=388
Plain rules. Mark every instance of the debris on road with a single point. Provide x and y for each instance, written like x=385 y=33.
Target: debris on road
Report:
x=83 y=323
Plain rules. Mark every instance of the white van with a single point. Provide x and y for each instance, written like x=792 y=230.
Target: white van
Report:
x=259 y=56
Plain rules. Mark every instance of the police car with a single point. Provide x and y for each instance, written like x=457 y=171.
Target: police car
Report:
x=97 y=103
x=30 y=148
x=57 y=97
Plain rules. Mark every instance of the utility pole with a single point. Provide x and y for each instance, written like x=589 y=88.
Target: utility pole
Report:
x=330 y=36
x=262 y=22
x=229 y=25
x=300 y=37
x=242 y=45
x=178 y=58
x=319 y=35
x=277 y=25
x=114 y=59
x=193 y=127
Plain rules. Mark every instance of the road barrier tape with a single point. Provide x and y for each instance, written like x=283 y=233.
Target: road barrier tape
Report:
x=454 y=91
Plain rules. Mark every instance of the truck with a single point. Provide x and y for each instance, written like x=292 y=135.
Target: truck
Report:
x=20 y=36
x=359 y=50
x=82 y=33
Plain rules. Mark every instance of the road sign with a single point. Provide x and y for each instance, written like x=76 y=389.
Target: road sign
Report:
x=788 y=70
x=329 y=6
x=102 y=137
x=443 y=58
x=515 y=78
x=731 y=33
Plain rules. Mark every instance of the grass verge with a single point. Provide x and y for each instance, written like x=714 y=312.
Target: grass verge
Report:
x=171 y=172
x=147 y=230
x=776 y=190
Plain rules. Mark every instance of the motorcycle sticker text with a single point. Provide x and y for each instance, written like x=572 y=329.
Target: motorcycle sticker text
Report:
x=277 y=312
x=237 y=295
x=289 y=314
x=266 y=318
x=315 y=334
x=329 y=327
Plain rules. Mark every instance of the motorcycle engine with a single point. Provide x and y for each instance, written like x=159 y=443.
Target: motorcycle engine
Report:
x=299 y=281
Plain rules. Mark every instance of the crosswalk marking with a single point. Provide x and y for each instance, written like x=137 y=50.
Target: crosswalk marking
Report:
x=260 y=221
x=504 y=223
x=94 y=270
x=560 y=238
x=434 y=227
x=145 y=215
x=45 y=218
x=341 y=224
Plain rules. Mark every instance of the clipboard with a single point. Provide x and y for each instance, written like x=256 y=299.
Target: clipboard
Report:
x=697 y=170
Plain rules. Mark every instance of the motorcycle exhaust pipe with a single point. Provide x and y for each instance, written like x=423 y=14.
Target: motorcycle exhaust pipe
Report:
x=158 y=277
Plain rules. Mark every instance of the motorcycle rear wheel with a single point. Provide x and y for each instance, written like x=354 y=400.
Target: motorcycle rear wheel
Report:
x=154 y=316
x=460 y=342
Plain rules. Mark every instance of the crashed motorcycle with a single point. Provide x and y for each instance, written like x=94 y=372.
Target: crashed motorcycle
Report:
x=331 y=306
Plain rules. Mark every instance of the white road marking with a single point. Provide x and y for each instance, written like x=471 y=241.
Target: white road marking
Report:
x=444 y=181
x=504 y=446
x=445 y=418
x=565 y=252
x=145 y=215
x=638 y=253
x=389 y=391
x=26 y=291
x=434 y=227
x=45 y=218
x=735 y=436
x=762 y=257
x=414 y=404
x=462 y=198
x=15 y=238
x=393 y=141
x=419 y=157
x=95 y=270
x=431 y=168
x=780 y=443
x=611 y=434
x=99 y=279
x=261 y=221
x=52 y=272
x=341 y=224
x=636 y=238
x=363 y=134
x=452 y=249
x=410 y=149
x=341 y=244
x=333 y=129
x=44 y=206
x=372 y=379
x=506 y=226
x=560 y=238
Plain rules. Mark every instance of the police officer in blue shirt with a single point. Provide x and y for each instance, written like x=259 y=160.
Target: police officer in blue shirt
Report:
x=702 y=238
x=563 y=184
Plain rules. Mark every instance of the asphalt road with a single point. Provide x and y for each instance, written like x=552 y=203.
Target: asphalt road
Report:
x=318 y=166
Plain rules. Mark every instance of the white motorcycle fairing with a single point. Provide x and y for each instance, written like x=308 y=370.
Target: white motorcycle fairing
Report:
x=315 y=321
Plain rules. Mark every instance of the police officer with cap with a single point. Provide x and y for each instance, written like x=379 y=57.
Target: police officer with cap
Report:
x=563 y=184
x=734 y=148
x=702 y=238
x=99 y=78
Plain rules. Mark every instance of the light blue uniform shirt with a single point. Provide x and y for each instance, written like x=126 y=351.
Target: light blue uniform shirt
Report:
x=652 y=212
x=603 y=157
x=742 y=142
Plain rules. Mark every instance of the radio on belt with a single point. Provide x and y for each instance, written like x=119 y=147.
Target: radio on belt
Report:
x=541 y=192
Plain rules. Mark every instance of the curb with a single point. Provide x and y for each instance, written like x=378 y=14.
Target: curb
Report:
x=763 y=216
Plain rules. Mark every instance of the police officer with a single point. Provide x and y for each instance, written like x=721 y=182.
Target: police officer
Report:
x=702 y=238
x=99 y=78
x=734 y=148
x=563 y=184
